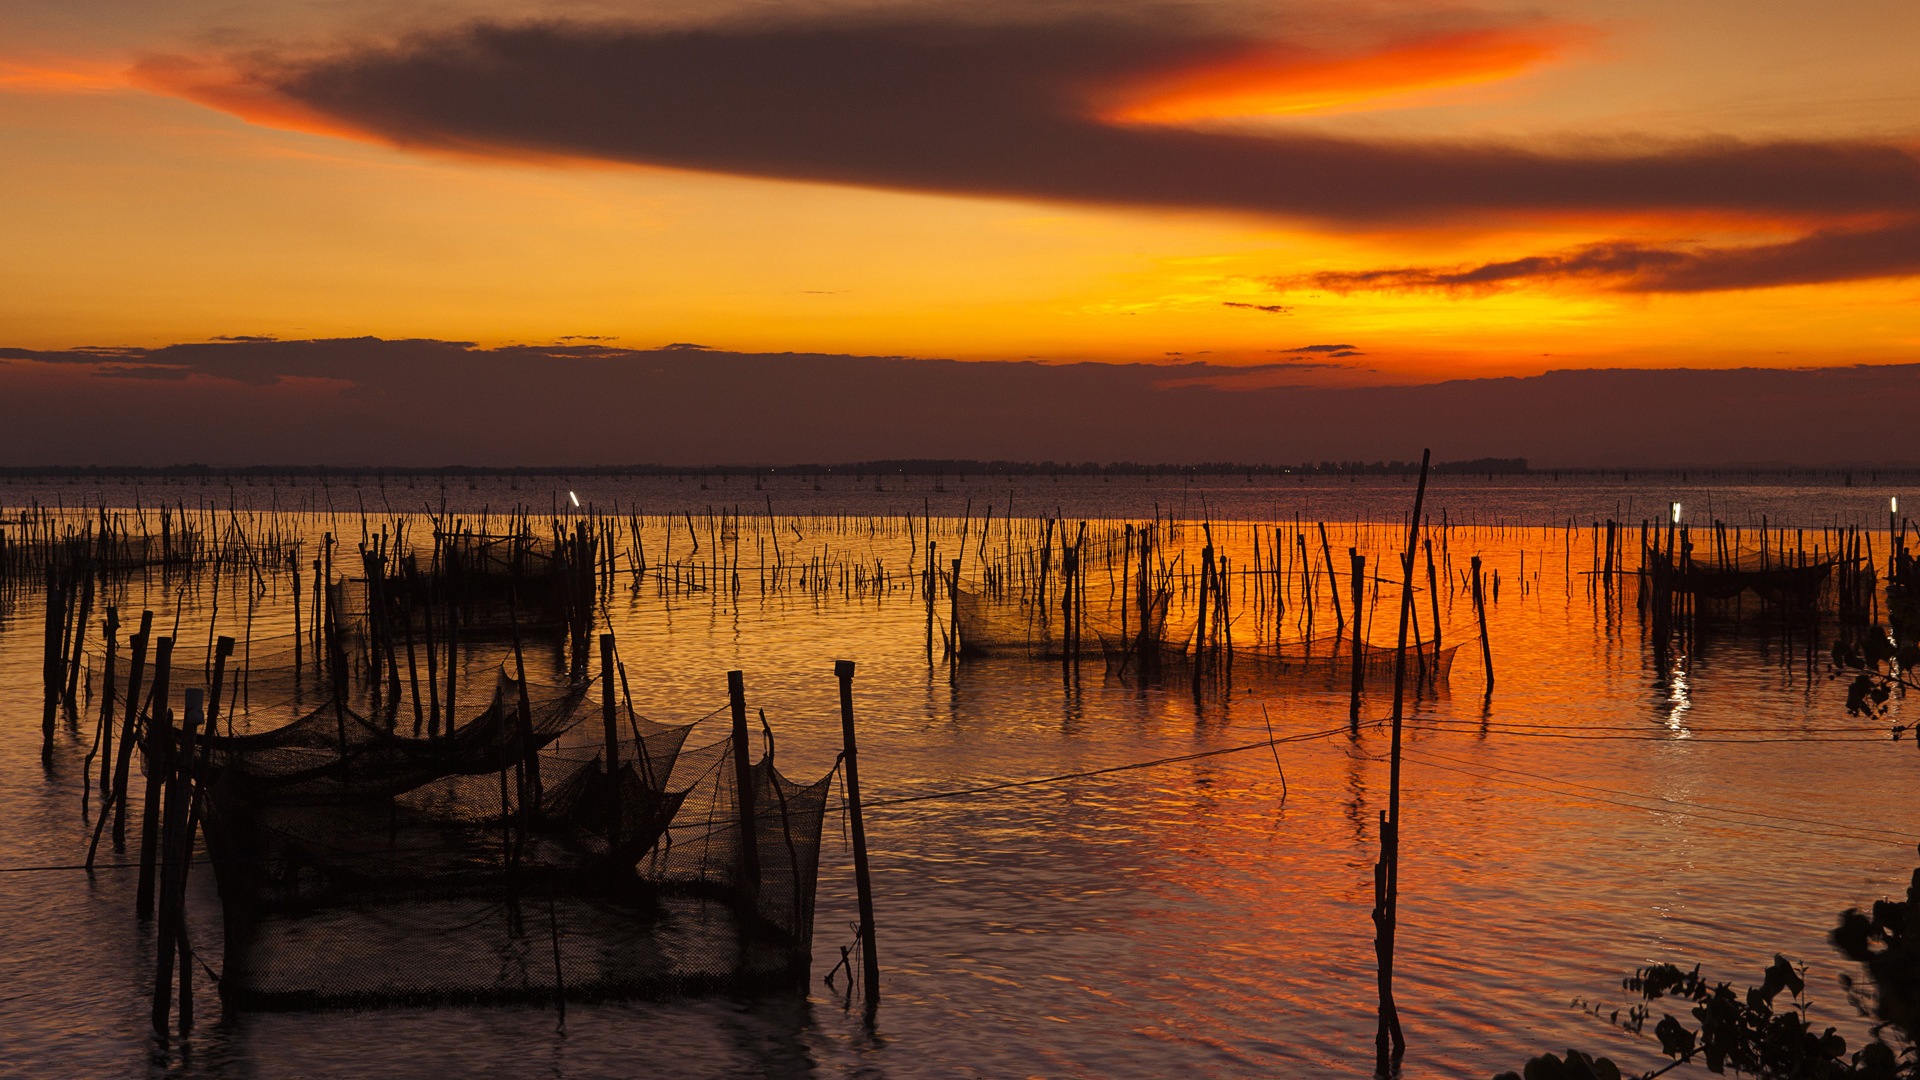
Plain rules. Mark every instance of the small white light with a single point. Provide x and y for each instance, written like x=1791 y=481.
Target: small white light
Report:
x=576 y=500
x=1893 y=504
x=1676 y=513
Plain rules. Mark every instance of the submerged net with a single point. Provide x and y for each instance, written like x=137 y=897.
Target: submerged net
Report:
x=1037 y=627
x=1786 y=586
x=503 y=860
x=1016 y=626
x=1323 y=657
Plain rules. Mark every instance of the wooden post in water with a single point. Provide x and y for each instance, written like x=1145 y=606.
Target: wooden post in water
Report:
x=448 y=570
x=323 y=598
x=413 y=666
x=1144 y=594
x=743 y=797
x=50 y=664
x=129 y=731
x=610 y=724
x=953 y=615
x=158 y=744
x=1433 y=589
x=293 y=563
x=77 y=646
x=1333 y=580
x=1389 y=1042
x=1359 y=563
x=927 y=579
x=1069 y=566
x=107 y=688
x=433 y=667
x=862 y=878
x=221 y=651
x=171 y=948
x=316 y=620
x=530 y=792
x=1200 y=620
x=1480 y=610
x=1307 y=596
x=160 y=732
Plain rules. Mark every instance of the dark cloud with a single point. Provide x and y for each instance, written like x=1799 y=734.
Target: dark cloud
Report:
x=1271 y=309
x=142 y=371
x=685 y=346
x=243 y=337
x=425 y=402
x=83 y=354
x=1831 y=255
x=1317 y=349
x=1003 y=110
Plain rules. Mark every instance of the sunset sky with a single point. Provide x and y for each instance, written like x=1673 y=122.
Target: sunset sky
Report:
x=1351 y=193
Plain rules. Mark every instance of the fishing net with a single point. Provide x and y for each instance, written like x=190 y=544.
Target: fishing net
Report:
x=1013 y=626
x=1783 y=584
x=1329 y=657
x=1038 y=627
x=503 y=860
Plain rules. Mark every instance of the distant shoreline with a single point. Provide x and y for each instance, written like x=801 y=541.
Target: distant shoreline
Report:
x=1502 y=467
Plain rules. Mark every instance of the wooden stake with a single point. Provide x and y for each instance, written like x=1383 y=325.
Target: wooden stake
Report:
x=862 y=878
x=106 y=708
x=1480 y=610
x=159 y=759
x=953 y=615
x=129 y=732
x=1359 y=564
x=610 y=723
x=1386 y=911
x=1333 y=580
x=49 y=665
x=743 y=797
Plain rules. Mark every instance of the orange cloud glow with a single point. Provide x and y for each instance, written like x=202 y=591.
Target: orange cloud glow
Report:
x=1281 y=80
x=60 y=78
x=235 y=91
x=221 y=87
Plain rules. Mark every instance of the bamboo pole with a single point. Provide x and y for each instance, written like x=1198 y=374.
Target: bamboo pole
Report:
x=862 y=876
x=611 y=731
x=1359 y=564
x=159 y=760
x=1390 y=1044
x=749 y=867
x=107 y=681
x=1480 y=611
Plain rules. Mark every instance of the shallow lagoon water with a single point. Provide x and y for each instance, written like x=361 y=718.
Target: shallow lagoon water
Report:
x=1184 y=919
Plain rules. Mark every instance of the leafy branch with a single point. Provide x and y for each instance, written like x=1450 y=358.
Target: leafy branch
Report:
x=1765 y=1035
x=1881 y=668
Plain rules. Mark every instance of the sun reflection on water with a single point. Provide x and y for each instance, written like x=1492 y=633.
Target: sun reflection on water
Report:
x=1680 y=701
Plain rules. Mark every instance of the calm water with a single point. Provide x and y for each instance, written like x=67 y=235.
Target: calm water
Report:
x=1185 y=919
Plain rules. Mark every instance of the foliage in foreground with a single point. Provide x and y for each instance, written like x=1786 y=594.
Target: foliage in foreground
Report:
x=1763 y=1035
x=1880 y=666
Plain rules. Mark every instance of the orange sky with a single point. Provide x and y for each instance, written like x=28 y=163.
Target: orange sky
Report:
x=174 y=176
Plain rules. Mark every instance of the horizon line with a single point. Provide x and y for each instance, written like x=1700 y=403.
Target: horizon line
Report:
x=940 y=467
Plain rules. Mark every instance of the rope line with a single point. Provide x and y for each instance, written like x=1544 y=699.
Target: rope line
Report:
x=1155 y=763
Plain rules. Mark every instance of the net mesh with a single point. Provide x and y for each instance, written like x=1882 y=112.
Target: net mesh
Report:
x=503 y=860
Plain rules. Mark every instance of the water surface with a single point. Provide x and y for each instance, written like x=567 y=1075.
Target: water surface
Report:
x=1208 y=916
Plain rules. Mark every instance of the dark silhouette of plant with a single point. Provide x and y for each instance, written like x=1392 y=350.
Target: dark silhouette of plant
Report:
x=1881 y=668
x=1762 y=1034
x=1886 y=943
